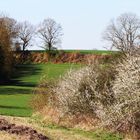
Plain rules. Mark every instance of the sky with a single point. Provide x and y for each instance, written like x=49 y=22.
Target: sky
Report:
x=83 y=21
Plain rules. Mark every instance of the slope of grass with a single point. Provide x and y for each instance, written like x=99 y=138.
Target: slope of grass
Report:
x=97 y=52
x=78 y=134
x=16 y=95
x=55 y=132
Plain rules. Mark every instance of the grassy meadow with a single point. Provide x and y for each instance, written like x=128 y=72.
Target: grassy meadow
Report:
x=96 y=52
x=16 y=95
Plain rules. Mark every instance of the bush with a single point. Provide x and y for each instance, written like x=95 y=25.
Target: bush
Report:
x=78 y=93
x=7 y=35
x=6 y=63
x=82 y=91
x=107 y=94
x=124 y=113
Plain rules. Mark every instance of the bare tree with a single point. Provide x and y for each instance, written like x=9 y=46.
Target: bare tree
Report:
x=50 y=32
x=124 y=33
x=26 y=31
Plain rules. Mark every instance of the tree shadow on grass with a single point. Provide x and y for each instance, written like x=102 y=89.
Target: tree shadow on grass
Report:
x=12 y=107
x=21 y=72
x=13 y=91
x=24 y=79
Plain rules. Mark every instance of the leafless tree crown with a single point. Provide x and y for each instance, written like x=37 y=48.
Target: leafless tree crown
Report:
x=26 y=31
x=50 y=32
x=124 y=33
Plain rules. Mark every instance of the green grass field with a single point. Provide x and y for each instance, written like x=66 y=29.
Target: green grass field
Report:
x=15 y=96
x=97 y=52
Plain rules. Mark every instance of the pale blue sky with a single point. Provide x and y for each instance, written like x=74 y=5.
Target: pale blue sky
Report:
x=83 y=21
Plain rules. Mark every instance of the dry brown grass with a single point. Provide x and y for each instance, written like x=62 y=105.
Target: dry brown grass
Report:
x=52 y=133
x=7 y=136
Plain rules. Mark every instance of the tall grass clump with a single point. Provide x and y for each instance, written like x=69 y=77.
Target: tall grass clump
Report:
x=42 y=94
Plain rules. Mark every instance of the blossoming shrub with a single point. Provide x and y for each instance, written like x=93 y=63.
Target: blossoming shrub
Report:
x=108 y=93
x=124 y=113
x=83 y=91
